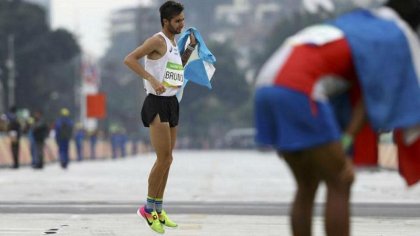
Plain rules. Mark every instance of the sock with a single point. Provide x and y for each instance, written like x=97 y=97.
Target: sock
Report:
x=158 y=205
x=150 y=205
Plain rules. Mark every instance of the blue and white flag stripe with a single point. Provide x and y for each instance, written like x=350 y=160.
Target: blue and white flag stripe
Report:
x=199 y=68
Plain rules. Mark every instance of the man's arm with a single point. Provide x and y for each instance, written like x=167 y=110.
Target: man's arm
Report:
x=189 y=49
x=357 y=120
x=150 y=46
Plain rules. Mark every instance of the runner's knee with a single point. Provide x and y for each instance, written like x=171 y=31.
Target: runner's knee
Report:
x=165 y=160
x=348 y=178
x=348 y=172
x=344 y=179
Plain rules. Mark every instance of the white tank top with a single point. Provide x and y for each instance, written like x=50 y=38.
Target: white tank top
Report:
x=168 y=70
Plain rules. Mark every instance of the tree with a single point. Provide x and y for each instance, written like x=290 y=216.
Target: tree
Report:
x=38 y=51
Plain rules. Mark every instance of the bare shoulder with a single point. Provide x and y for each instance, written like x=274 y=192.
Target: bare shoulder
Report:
x=157 y=42
x=153 y=47
x=157 y=46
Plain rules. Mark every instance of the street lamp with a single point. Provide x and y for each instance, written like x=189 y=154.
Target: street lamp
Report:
x=2 y=97
x=10 y=65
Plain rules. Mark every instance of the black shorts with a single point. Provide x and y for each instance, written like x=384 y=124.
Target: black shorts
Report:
x=166 y=107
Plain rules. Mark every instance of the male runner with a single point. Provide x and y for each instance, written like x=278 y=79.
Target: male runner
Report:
x=163 y=75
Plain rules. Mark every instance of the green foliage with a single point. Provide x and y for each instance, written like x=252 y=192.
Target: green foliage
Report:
x=38 y=51
x=124 y=89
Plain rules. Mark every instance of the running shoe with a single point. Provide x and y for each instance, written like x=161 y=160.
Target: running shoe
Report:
x=152 y=220
x=164 y=220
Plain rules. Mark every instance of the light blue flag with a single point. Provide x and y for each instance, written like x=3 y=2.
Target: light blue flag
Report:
x=199 y=68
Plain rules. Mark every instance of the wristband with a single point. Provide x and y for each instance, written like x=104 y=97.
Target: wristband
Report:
x=191 y=47
x=346 y=141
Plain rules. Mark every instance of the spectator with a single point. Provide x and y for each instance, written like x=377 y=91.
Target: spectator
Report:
x=113 y=130
x=32 y=145
x=93 y=140
x=40 y=132
x=122 y=142
x=79 y=138
x=14 y=133
x=63 y=135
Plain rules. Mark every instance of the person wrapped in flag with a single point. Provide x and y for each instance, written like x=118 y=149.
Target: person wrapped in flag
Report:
x=372 y=56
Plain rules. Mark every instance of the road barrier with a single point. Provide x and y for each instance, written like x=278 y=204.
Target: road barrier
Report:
x=102 y=150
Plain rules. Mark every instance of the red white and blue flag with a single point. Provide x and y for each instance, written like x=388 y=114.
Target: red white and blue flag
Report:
x=386 y=56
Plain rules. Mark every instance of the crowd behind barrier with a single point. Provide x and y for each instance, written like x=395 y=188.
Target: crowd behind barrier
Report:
x=387 y=151
x=103 y=150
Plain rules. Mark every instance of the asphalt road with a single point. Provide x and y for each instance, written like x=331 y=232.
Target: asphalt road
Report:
x=214 y=208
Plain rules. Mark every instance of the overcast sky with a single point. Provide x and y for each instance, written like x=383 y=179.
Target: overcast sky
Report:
x=89 y=20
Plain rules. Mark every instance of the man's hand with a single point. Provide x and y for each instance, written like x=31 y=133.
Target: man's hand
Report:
x=346 y=141
x=193 y=41
x=157 y=86
x=189 y=49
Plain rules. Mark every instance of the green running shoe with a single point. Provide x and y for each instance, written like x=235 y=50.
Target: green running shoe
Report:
x=164 y=220
x=152 y=220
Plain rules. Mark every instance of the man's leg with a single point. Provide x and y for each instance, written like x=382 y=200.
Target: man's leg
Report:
x=336 y=170
x=113 y=147
x=15 y=154
x=163 y=217
x=60 y=153
x=166 y=174
x=160 y=137
x=93 y=149
x=39 y=154
x=33 y=152
x=307 y=183
x=64 y=153
x=67 y=153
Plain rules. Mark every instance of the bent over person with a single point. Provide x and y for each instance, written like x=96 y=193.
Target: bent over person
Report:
x=163 y=75
x=372 y=54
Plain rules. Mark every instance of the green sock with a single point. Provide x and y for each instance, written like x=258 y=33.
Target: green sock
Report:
x=158 y=205
x=150 y=204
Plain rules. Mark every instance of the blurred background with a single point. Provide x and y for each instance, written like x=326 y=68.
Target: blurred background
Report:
x=55 y=54
x=63 y=60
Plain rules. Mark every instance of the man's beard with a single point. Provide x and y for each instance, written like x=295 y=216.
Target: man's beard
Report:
x=173 y=30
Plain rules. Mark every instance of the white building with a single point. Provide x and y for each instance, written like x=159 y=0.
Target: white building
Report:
x=252 y=11
x=123 y=21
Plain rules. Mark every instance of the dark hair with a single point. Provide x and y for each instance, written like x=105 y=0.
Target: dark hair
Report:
x=409 y=10
x=169 y=10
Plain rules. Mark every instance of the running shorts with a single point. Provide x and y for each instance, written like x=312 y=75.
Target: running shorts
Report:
x=166 y=107
x=290 y=121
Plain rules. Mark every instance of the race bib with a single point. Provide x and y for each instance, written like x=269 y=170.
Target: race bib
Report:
x=174 y=75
